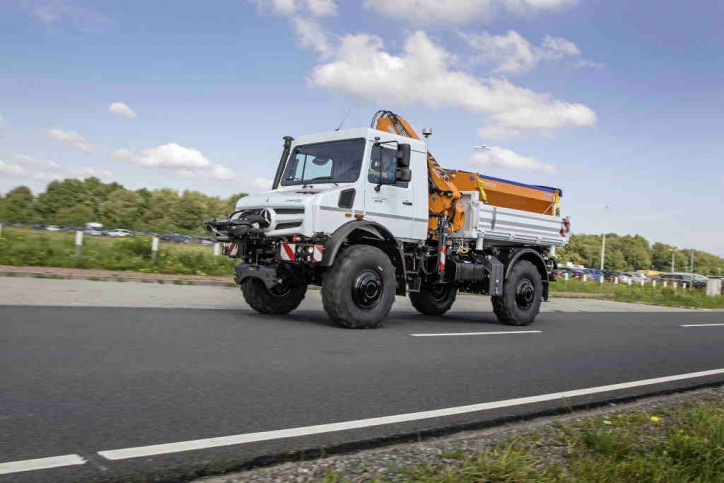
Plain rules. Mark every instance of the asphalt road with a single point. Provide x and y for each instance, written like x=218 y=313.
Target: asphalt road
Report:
x=80 y=383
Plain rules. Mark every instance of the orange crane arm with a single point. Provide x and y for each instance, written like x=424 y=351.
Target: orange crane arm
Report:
x=443 y=194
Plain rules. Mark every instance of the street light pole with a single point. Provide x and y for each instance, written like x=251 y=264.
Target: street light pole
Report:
x=603 y=239
x=673 y=257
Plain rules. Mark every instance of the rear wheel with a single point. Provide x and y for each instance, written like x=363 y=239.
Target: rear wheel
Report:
x=522 y=295
x=359 y=289
x=435 y=300
x=280 y=299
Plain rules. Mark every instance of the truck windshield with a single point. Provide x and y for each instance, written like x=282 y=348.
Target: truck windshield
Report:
x=332 y=162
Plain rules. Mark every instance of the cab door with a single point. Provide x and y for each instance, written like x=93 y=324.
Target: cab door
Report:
x=387 y=201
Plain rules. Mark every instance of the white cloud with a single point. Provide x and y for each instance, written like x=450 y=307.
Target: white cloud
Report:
x=322 y=8
x=421 y=75
x=122 y=109
x=40 y=163
x=177 y=159
x=303 y=14
x=458 y=12
x=505 y=158
x=10 y=169
x=315 y=8
x=90 y=172
x=72 y=138
x=514 y=54
x=311 y=35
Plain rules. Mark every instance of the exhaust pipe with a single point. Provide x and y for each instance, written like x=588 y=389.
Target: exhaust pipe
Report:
x=285 y=154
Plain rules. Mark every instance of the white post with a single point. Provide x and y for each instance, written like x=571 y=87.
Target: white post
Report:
x=154 y=248
x=673 y=284
x=217 y=249
x=585 y=277
x=653 y=283
x=630 y=282
x=601 y=279
x=665 y=283
x=565 y=276
x=1 y=229
x=615 y=280
x=78 y=243
x=642 y=283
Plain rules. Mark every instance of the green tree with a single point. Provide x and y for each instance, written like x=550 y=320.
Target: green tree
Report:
x=121 y=209
x=77 y=215
x=18 y=206
x=61 y=194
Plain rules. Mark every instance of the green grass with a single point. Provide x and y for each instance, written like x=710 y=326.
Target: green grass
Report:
x=684 y=443
x=646 y=294
x=22 y=246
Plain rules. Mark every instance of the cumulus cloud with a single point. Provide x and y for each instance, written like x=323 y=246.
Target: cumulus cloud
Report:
x=122 y=110
x=303 y=15
x=72 y=138
x=311 y=35
x=259 y=183
x=506 y=158
x=421 y=75
x=458 y=12
x=38 y=163
x=11 y=169
x=177 y=159
x=512 y=53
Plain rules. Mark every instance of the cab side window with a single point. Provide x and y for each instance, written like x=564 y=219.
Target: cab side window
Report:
x=384 y=161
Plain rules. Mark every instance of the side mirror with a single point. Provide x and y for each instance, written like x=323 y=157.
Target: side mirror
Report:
x=403 y=174
x=403 y=155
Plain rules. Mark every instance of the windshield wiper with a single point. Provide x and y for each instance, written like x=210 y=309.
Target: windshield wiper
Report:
x=324 y=178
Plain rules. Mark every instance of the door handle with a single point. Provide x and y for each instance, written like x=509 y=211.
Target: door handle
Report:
x=407 y=202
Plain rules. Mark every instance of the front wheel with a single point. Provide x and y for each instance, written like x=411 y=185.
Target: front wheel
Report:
x=522 y=295
x=359 y=289
x=279 y=300
x=435 y=300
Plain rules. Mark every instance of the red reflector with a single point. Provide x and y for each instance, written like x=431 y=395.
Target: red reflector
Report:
x=296 y=238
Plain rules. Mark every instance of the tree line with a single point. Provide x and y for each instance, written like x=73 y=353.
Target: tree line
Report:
x=74 y=202
x=630 y=253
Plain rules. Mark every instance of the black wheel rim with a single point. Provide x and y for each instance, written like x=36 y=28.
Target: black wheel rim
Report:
x=367 y=289
x=439 y=292
x=524 y=293
x=280 y=291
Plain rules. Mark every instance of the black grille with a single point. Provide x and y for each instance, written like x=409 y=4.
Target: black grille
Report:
x=289 y=211
x=346 y=198
x=284 y=226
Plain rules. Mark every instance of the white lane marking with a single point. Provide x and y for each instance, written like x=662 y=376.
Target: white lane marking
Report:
x=156 y=449
x=447 y=334
x=41 y=464
x=701 y=325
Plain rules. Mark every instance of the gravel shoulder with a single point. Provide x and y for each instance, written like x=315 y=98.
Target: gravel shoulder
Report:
x=393 y=463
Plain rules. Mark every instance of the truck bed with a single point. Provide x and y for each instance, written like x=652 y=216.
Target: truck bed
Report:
x=505 y=226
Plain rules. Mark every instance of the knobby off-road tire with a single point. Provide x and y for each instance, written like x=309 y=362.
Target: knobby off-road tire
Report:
x=280 y=300
x=434 y=300
x=522 y=295
x=359 y=289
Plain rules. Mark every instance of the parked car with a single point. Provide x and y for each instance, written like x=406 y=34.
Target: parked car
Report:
x=572 y=272
x=688 y=279
x=119 y=232
x=594 y=274
x=92 y=232
x=52 y=228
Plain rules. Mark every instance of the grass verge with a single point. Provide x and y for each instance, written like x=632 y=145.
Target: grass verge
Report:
x=646 y=294
x=27 y=247
x=681 y=443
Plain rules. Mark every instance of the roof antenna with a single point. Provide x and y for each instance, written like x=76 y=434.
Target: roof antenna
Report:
x=343 y=119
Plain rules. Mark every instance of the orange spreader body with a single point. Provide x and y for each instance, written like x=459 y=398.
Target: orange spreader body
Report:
x=508 y=194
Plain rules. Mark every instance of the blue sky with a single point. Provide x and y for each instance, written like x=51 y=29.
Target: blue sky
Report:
x=617 y=102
